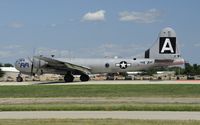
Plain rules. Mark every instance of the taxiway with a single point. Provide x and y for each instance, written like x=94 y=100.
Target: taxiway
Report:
x=147 y=115
x=103 y=82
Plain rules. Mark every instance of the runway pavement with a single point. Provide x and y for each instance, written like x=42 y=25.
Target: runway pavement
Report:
x=147 y=115
x=103 y=82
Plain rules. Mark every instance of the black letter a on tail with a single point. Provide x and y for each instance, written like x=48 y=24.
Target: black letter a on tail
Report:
x=167 y=45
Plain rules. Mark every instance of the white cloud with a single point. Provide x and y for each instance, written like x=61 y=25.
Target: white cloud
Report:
x=49 y=51
x=197 y=45
x=44 y=51
x=149 y=16
x=4 y=54
x=12 y=51
x=12 y=46
x=16 y=25
x=104 y=50
x=112 y=50
x=53 y=25
x=94 y=16
x=71 y=20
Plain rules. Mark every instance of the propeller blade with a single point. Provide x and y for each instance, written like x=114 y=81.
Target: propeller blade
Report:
x=32 y=61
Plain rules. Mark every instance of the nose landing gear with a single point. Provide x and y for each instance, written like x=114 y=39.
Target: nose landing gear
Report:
x=19 y=78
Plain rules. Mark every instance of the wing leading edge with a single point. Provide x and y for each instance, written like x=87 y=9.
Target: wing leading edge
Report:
x=61 y=64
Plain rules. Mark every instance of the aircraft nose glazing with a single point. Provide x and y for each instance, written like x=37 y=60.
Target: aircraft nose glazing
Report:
x=22 y=63
x=18 y=62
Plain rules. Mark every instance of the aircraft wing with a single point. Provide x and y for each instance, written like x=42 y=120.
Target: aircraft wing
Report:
x=61 y=64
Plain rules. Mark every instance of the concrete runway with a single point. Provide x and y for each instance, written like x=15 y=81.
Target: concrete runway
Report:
x=103 y=82
x=147 y=115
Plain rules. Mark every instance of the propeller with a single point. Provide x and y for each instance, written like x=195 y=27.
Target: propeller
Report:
x=33 y=62
x=32 y=65
x=36 y=65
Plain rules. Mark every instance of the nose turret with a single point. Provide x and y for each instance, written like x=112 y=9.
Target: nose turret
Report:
x=23 y=65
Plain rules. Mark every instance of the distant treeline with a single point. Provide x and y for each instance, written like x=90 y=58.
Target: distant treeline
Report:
x=191 y=69
x=6 y=65
x=188 y=69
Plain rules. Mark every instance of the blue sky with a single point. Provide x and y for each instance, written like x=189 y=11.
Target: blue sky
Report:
x=95 y=28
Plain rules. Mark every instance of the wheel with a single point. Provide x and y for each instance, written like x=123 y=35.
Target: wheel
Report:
x=110 y=78
x=84 y=78
x=19 y=79
x=69 y=78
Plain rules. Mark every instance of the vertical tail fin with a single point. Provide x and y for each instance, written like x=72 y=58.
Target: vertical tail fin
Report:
x=166 y=46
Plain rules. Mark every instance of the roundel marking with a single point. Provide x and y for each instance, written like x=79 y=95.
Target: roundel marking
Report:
x=123 y=65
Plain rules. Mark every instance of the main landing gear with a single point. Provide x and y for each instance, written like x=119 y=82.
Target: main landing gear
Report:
x=70 y=78
x=84 y=78
x=110 y=76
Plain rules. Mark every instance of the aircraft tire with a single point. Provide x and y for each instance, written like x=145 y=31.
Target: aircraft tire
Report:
x=84 y=78
x=68 y=78
x=19 y=79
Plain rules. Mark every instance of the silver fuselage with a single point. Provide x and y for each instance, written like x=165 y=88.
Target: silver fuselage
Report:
x=99 y=65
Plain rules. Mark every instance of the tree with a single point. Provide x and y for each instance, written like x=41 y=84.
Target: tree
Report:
x=1 y=73
x=150 y=72
x=178 y=70
x=8 y=65
x=188 y=69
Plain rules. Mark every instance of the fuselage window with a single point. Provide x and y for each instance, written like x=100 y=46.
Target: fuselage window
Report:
x=107 y=65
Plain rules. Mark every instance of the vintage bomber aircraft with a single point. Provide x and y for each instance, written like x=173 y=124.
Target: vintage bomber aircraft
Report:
x=164 y=52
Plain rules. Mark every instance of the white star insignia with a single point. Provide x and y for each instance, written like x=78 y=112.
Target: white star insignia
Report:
x=123 y=64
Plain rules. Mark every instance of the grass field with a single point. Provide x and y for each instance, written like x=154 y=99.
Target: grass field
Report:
x=100 y=107
x=164 y=90
x=106 y=91
x=95 y=122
